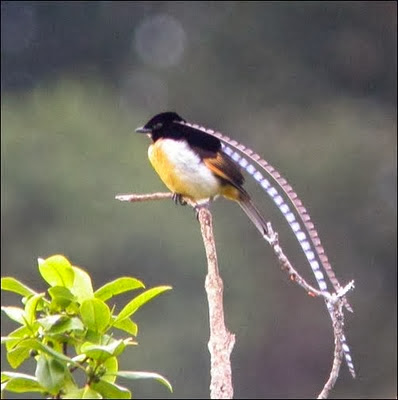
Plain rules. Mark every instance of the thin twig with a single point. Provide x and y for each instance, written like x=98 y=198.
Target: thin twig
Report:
x=334 y=302
x=143 y=197
x=273 y=239
x=338 y=351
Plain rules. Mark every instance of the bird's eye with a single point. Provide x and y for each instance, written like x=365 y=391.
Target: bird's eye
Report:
x=158 y=125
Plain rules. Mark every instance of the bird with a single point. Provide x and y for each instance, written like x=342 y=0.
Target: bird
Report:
x=193 y=166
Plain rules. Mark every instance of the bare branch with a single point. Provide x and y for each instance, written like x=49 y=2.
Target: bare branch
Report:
x=143 y=197
x=334 y=303
x=338 y=351
x=273 y=239
x=221 y=340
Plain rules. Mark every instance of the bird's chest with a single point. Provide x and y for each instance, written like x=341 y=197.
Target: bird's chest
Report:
x=182 y=170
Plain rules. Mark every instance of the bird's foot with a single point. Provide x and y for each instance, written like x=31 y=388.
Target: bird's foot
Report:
x=179 y=199
x=199 y=206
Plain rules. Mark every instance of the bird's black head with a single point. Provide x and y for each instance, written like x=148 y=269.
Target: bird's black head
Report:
x=168 y=125
x=160 y=124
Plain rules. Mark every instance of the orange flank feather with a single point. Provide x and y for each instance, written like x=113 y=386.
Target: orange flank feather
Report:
x=223 y=167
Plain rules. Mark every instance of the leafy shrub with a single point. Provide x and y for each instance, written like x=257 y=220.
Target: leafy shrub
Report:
x=71 y=317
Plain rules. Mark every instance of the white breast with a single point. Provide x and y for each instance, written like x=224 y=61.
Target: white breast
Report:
x=190 y=176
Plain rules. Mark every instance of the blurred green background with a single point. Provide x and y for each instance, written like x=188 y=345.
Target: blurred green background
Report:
x=311 y=86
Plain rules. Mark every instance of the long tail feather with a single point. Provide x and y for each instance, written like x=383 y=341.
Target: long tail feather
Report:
x=252 y=212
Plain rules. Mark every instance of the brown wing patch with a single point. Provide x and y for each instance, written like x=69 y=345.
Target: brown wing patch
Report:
x=225 y=168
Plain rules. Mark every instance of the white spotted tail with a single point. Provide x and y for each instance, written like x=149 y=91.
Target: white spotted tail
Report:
x=312 y=248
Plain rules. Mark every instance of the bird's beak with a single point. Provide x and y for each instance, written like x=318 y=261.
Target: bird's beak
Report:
x=141 y=129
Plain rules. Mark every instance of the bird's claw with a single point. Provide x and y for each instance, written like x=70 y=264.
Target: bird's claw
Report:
x=178 y=199
x=198 y=207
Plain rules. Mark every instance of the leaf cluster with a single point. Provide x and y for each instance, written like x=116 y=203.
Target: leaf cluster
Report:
x=71 y=327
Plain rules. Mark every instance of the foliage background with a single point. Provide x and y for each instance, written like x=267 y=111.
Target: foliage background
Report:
x=311 y=86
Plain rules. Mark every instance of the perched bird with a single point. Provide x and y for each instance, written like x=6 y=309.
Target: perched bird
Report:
x=200 y=164
x=192 y=165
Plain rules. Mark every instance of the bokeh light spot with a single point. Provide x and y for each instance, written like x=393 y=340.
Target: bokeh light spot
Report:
x=160 y=41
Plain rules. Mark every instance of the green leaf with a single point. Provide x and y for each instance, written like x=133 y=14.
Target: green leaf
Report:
x=95 y=314
x=145 y=375
x=7 y=375
x=85 y=393
x=95 y=337
x=126 y=325
x=8 y=339
x=17 y=314
x=112 y=366
x=52 y=320
x=17 y=356
x=118 y=286
x=57 y=271
x=23 y=332
x=79 y=358
x=61 y=296
x=37 y=345
x=139 y=301
x=20 y=383
x=110 y=390
x=69 y=384
x=50 y=373
x=31 y=306
x=56 y=324
x=103 y=352
x=12 y=285
x=82 y=286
